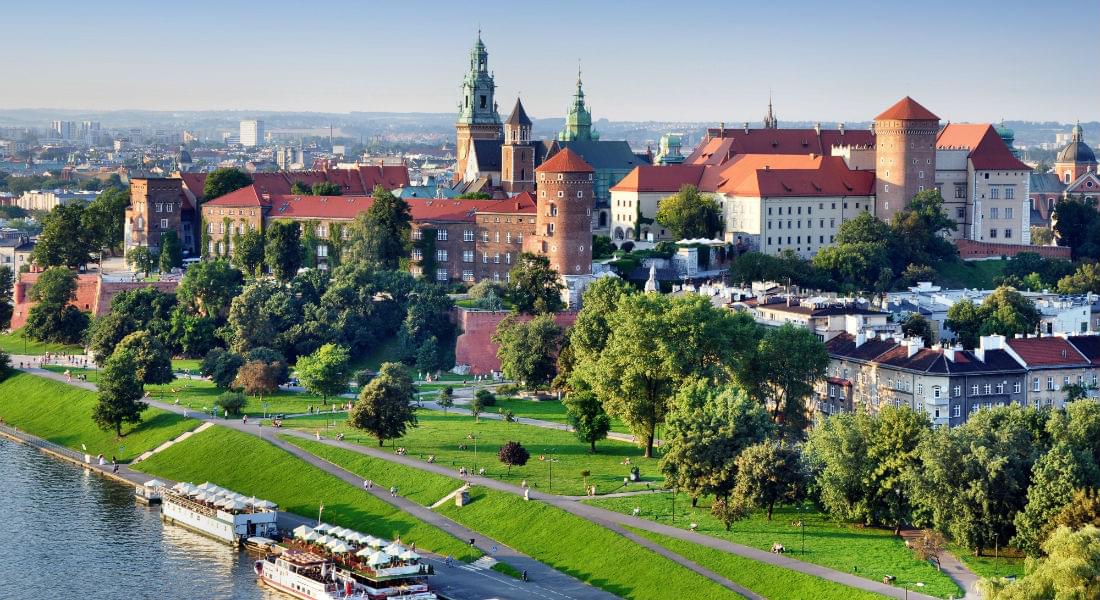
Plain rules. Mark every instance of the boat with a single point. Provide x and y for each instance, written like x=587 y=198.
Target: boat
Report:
x=315 y=566
x=259 y=545
x=218 y=513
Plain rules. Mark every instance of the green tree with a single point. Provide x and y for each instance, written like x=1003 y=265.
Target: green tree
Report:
x=789 y=360
x=1074 y=221
x=152 y=361
x=1008 y=312
x=53 y=318
x=379 y=237
x=914 y=274
x=527 y=349
x=385 y=408
x=590 y=331
x=222 y=181
x=106 y=216
x=533 y=287
x=919 y=231
x=690 y=214
x=1085 y=279
x=208 y=288
x=474 y=196
x=249 y=253
x=1041 y=236
x=446 y=398
x=299 y=188
x=326 y=188
x=587 y=417
x=1082 y=509
x=193 y=335
x=768 y=473
x=965 y=319
x=602 y=247
x=728 y=511
x=262 y=315
x=120 y=393
x=915 y=325
x=171 y=253
x=142 y=309
x=856 y=266
x=221 y=367
x=1070 y=571
x=428 y=356
x=1056 y=475
x=513 y=454
x=67 y=239
x=7 y=284
x=283 y=249
x=141 y=259
x=231 y=402
x=707 y=429
x=325 y=372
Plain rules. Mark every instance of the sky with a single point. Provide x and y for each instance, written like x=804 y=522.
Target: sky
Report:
x=700 y=60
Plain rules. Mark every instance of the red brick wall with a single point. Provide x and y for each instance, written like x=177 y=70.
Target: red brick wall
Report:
x=474 y=347
x=91 y=295
x=972 y=250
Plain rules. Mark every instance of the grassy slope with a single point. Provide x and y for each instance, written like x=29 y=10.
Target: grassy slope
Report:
x=13 y=343
x=546 y=410
x=866 y=552
x=970 y=274
x=251 y=466
x=774 y=583
x=63 y=414
x=442 y=434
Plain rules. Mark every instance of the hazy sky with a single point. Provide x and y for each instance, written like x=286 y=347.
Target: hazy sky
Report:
x=966 y=60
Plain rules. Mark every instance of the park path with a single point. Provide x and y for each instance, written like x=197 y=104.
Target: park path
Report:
x=953 y=568
x=606 y=518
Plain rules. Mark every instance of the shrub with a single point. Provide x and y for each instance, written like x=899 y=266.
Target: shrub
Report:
x=508 y=389
x=486 y=398
x=513 y=454
x=231 y=402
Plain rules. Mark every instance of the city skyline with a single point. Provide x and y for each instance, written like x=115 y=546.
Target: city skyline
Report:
x=636 y=66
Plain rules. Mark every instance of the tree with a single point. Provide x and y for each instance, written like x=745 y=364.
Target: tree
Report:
x=142 y=309
x=513 y=454
x=1085 y=279
x=262 y=315
x=67 y=239
x=385 y=408
x=856 y=266
x=1056 y=475
x=690 y=214
x=965 y=319
x=1071 y=570
x=106 y=216
x=221 y=367
x=141 y=259
x=171 y=253
x=7 y=284
x=324 y=372
x=208 y=288
x=602 y=247
x=1041 y=236
x=915 y=325
x=476 y=407
x=151 y=359
x=283 y=249
x=428 y=356
x=379 y=237
x=929 y=545
x=534 y=287
x=485 y=398
x=53 y=318
x=299 y=188
x=728 y=511
x=1073 y=222
x=707 y=429
x=914 y=274
x=1082 y=509
x=231 y=402
x=587 y=417
x=768 y=473
x=222 y=181
x=249 y=253
x=273 y=357
x=590 y=331
x=919 y=231
x=257 y=378
x=193 y=335
x=527 y=349
x=326 y=188
x=789 y=361
x=1008 y=312
x=446 y=398
x=120 y=393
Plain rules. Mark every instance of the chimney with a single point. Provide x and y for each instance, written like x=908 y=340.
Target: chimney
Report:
x=861 y=337
x=817 y=128
x=746 y=126
x=912 y=347
x=840 y=126
x=949 y=354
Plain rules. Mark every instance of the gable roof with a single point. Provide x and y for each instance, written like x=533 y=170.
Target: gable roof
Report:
x=723 y=144
x=759 y=175
x=652 y=178
x=907 y=109
x=565 y=161
x=1045 y=183
x=356 y=180
x=1079 y=185
x=246 y=196
x=987 y=149
x=523 y=202
x=1088 y=346
x=1046 y=352
x=300 y=207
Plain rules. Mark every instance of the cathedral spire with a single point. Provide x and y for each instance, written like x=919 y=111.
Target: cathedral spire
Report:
x=578 y=121
x=770 y=122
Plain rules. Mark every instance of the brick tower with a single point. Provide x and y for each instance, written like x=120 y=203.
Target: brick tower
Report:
x=517 y=160
x=563 y=223
x=478 y=118
x=905 y=155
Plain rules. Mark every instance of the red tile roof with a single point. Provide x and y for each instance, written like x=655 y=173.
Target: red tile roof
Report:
x=565 y=161
x=1047 y=351
x=290 y=206
x=907 y=109
x=987 y=149
x=650 y=178
x=724 y=144
x=758 y=175
x=359 y=180
x=523 y=203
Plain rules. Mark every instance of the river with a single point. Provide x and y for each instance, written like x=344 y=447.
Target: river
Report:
x=70 y=534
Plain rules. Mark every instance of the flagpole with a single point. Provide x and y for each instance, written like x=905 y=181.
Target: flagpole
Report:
x=320 y=510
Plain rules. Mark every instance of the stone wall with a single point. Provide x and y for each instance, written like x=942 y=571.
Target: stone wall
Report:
x=972 y=250
x=474 y=347
x=92 y=295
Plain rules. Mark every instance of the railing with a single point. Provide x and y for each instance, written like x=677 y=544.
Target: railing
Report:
x=44 y=444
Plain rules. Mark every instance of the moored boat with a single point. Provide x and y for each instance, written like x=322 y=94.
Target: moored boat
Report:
x=217 y=512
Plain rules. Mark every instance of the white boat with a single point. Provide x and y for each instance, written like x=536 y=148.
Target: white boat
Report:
x=304 y=572
x=230 y=521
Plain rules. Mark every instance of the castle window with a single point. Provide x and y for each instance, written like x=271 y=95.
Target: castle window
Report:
x=1008 y=234
x=580 y=194
x=994 y=193
x=483 y=101
x=468 y=256
x=441 y=274
x=554 y=208
x=467 y=276
x=508 y=258
x=1010 y=193
x=496 y=258
x=468 y=235
x=417 y=254
x=508 y=237
x=164 y=223
x=561 y=194
x=418 y=234
x=442 y=235
x=441 y=255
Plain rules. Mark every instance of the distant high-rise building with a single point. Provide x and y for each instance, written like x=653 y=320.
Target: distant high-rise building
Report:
x=252 y=133
x=64 y=129
x=89 y=130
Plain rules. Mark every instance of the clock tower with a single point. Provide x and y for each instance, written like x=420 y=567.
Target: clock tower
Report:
x=478 y=118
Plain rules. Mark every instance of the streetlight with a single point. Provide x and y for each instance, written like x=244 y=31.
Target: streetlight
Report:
x=919 y=584
x=551 y=453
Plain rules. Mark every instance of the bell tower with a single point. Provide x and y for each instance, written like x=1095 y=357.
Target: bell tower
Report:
x=478 y=118
x=517 y=160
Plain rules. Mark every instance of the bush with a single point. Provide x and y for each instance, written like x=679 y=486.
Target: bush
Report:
x=232 y=402
x=482 y=289
x=626 y=246
x=508 y=389
x=486 y=398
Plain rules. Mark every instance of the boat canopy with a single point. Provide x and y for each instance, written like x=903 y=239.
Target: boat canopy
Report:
x=154 y=483
x=301 y=531
x=379 y=558
x=340 y=548
x=409 y=555
x=394 y=549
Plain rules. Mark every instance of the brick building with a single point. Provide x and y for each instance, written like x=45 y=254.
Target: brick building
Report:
x=905 y=155
x=156 y=206
x=563 y=229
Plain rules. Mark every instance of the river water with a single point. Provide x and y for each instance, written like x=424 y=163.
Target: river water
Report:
x=70 y=534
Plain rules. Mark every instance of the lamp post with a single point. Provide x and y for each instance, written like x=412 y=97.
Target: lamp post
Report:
x=550 y=452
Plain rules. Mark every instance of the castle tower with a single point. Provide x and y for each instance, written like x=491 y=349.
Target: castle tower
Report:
x=517 y=160
x=905 y=155
x=478 y=118
x=578 y=121
x=563 y=225
x=1076 y=158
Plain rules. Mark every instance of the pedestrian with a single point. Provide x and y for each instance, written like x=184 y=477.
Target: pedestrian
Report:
x=525 y=575
x=447 y=561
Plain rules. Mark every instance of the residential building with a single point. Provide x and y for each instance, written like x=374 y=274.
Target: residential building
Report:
x=47 y=200
x=1052 y=363
x=252 y=133
x=825 y=318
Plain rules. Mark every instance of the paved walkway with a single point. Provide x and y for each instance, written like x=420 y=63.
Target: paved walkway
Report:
x=953 y=568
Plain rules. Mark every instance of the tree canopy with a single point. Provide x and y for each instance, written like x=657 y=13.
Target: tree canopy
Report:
x=325 y=372
x=220 y=182
x=53 y=318
x=120 y=393
x=527 y=349
x=380 y=236
x=385 y=408
x=690 y=214
x=533 y=287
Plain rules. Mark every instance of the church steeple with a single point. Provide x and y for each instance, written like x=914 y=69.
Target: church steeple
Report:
x=478 y=104
x=578 y=121
x=770 y=122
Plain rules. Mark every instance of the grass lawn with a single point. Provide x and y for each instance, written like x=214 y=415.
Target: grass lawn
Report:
x=63 y=414
x=970 y=274
x=251 y=466
x=772 y=582
x=187 y=364
x=545 y=410
x=867 y=552
x=385 y=352
x=13 y=343
x=442 y=435
x=989 y=566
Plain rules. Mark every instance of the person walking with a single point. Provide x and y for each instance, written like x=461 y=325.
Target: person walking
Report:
x=525 y=576
x=393 y=491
